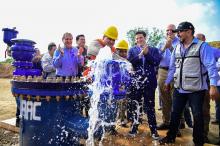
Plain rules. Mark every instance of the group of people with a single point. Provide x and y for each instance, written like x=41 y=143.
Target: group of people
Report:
x=184 y=68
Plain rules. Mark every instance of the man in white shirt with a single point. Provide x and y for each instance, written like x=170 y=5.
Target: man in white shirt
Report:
x=47 y=61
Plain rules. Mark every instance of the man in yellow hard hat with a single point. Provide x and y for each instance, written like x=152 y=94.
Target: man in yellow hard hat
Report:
x=121 y=53
x=108 y=39
x=122 y=49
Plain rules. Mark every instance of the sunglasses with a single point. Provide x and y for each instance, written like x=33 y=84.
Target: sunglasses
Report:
x=170 y=30
x=182 y=30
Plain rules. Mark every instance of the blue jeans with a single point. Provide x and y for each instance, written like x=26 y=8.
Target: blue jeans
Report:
x=195 y=100
x=187 y=115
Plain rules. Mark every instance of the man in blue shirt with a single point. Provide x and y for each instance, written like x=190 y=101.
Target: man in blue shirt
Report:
x=144 y=60
x=166 y=97
x=67 y=60
x=189 y=63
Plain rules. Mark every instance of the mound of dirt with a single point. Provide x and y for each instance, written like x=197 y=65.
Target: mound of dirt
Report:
x=8 y=138
x=215 y=44
x=6 y=70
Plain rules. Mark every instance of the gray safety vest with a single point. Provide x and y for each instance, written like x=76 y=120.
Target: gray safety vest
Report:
x=188 y=75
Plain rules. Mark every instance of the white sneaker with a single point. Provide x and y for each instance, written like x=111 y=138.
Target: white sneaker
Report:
x=155 y=136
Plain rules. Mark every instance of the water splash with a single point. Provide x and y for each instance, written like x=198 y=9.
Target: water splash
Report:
x=104 y=75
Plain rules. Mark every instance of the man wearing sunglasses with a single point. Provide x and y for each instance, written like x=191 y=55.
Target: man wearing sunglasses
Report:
x=190 y=63
x=166 y=50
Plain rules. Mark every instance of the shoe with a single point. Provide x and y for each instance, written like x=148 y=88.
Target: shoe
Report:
x=198 y=144
x=182 y=126
x=163 y=126
x=166 y=140
x=190 y=126
x=215 y=122
x=133 y=131
x=155 y=136
x=178 y=134
x=218 y=143
x=206 y=140
x=124 y=125
x=113 y=132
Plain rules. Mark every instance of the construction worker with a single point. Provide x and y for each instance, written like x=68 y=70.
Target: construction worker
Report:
x=122 y=52
x=122 y=49
x=109 y=37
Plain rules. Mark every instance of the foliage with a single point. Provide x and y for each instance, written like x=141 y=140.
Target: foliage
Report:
x=154 y=36
x=7 y=61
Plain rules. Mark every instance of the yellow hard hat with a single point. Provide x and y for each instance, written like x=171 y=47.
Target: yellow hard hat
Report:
x=122 y=45
x=111 y=32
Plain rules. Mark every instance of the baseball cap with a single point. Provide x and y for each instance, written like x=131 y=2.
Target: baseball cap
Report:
x=184 y=25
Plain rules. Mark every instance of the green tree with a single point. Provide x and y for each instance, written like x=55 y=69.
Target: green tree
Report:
x=8 y=60
x=154 y=35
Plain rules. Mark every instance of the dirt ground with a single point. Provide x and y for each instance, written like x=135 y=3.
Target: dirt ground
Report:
x=8 y=106
x=7 y=101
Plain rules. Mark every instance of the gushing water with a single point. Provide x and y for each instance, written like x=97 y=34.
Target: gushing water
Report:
x=103 y=73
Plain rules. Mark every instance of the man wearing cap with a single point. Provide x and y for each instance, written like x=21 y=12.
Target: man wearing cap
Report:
x=190 y=63
x=144 y=60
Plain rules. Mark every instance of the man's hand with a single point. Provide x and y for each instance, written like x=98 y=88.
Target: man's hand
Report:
x=80 y=51
x=61 y=50
x=213 y=92
x=168 y=42
x=145 y=49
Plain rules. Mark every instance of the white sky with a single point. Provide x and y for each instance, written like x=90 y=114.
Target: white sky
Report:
x=45 y=21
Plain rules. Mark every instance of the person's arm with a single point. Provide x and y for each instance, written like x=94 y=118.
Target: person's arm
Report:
x=57 y=59
x=133 y=58
x=208 y=60
x=80 y=58
x=172 y=69
x=216 y=53
x=46 y=64
x=162 y=48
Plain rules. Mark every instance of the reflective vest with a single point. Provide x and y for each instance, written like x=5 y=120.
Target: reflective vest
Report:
x=188 y=75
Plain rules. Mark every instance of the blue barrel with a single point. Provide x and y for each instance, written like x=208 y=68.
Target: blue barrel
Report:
x=48 y=117
x=8 y=35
